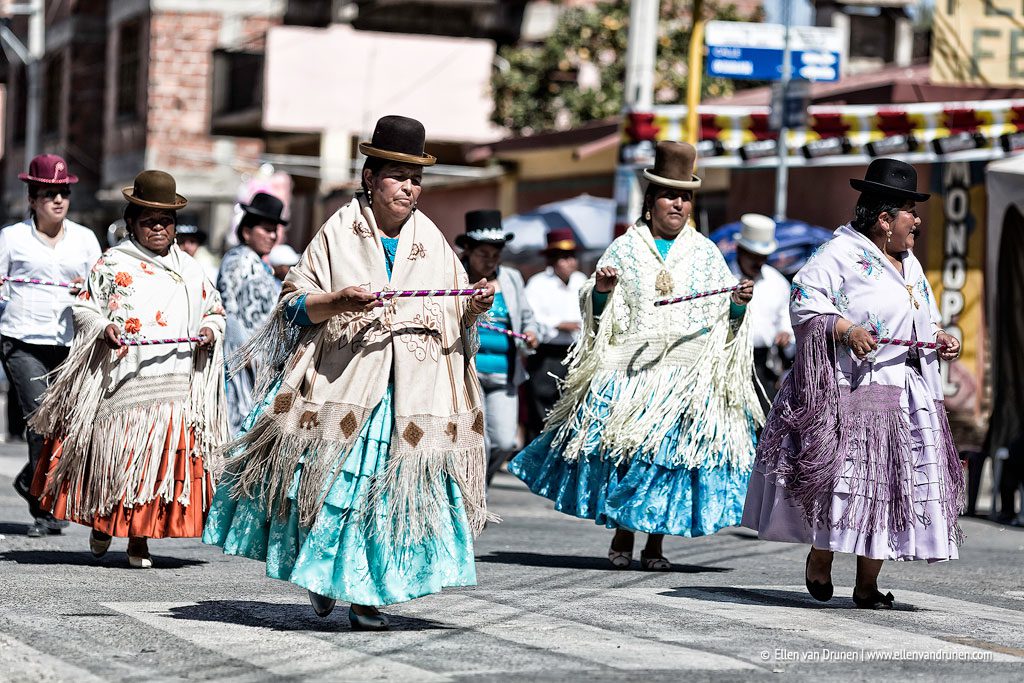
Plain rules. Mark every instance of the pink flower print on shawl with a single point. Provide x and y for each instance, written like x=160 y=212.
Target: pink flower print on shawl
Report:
x=868 y=264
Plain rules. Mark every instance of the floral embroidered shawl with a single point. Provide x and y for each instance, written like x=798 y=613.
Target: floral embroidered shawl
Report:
x=114 y=408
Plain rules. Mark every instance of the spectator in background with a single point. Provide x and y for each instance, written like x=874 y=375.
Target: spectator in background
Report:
x=768 y=311
x=249 y=290
x=192 y=240
x=554 y=297
x=36 y=327
x=498 y=363
x=282 y=258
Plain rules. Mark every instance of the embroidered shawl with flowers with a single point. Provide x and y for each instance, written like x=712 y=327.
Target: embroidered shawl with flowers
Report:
x=113 y=409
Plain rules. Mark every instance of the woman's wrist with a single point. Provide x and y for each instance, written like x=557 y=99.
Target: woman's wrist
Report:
x=844 y=339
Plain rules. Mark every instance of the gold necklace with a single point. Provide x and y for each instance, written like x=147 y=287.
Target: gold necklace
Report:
x=910 y=293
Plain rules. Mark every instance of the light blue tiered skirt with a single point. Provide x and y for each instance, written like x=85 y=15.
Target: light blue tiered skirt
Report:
x=340 y=556
x=654 y=495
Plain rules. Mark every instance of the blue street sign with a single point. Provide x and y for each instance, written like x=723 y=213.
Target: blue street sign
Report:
x=765 y=64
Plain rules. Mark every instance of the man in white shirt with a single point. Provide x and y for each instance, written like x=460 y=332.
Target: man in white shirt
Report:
x=554 y=296
x=768 y=310
x=36 y=327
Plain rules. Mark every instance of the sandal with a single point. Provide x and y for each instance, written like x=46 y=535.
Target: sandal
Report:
x=620 y=560
x=99 y=543
x=654 y=564
x=874 y=601
x=822 y=592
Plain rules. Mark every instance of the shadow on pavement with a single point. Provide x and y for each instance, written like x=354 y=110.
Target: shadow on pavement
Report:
x=576 y=562
x=112 y=560
x=288 y=617
x=9 y=529
x=773 y=598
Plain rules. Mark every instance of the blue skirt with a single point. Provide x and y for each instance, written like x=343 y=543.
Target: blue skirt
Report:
x=341 y=556
x=651 y=495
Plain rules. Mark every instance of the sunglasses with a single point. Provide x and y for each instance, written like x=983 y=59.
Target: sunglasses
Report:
x=64 y=192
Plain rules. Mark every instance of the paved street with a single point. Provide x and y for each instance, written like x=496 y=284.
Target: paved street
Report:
x=548 y=608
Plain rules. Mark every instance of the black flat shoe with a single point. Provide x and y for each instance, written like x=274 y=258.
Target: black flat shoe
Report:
x=822 y=592
x=368 y=622
x=322 y=605
x=874 y=601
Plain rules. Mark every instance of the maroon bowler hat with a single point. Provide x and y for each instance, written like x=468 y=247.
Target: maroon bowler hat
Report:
x=560 y=239
x=48 y=169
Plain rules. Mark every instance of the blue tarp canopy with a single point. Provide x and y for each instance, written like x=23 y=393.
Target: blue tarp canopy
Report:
x=796 y=239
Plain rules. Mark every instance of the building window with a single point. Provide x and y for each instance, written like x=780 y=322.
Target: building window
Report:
x=129 y=66
x=53 y=86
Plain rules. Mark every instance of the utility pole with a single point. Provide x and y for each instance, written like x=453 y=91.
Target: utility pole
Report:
x=641 y=53
x=31 y=57
x=694 y=73
x=782 y=172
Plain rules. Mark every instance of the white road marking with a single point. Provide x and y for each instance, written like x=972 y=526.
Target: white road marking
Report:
x=284 y=653
x=828 y=625
x=20 y=662
x=571 y=638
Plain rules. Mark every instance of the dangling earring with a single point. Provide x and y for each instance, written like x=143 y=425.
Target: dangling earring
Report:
x=413 y=208
x=647 y=216
x=369 y=198
x=888 y=235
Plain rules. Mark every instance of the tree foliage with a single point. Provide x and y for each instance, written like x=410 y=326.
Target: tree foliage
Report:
x=578 y=73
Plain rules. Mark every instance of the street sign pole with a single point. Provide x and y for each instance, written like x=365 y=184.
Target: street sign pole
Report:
x=782 y=172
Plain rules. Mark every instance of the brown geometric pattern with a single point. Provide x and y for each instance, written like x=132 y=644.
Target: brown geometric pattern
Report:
x=283 y=402
x=478 y=424
x=453 y=431
x=413 y=433
x=361 y=230
x=349 y=424
x=309 y=420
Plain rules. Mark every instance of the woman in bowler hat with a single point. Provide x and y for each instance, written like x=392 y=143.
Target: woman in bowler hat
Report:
x=857 y=455
x=499 y=362
x=250 y=291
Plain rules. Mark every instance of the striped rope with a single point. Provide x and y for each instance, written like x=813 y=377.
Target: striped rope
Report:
x=912 y=344
x=36 y=281
x=427 y=292
x=170 y=340
x=502 y=330
x=698 y=295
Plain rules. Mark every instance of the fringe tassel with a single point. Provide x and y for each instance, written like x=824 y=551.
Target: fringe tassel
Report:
x=953 y=487
x=713 y=395
x=122 y=465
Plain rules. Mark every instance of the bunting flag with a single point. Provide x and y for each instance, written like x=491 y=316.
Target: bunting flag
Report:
x=733 y=137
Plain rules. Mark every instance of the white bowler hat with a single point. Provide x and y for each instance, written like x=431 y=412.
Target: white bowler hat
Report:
x=757 y=235
x=283 y=255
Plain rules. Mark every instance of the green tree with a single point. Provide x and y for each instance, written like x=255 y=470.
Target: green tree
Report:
x=578 y=73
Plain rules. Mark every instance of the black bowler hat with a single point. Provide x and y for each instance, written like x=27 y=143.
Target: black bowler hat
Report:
x=265 y=206
x=398 y=138
x=891 y=178
x=484 y=227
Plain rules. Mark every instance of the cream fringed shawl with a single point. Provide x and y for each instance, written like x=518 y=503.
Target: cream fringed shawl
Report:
x=114 y=410
x=679 y=365
x=336 y=373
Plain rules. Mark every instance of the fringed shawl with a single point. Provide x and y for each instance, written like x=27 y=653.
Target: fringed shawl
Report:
x=335 y=373
x=838 y=424
x=681 y=365
x=112 y=409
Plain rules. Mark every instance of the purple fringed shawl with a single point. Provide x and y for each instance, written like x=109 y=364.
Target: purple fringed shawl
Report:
x=854 y=442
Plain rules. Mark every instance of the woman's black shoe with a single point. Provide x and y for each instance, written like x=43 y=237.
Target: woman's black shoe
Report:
x=874 y=601
x=822 y=592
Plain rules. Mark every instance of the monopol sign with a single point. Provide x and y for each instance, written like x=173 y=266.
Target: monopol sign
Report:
x=745 y=50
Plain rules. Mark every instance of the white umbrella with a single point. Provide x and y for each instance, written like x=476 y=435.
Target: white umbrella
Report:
x=592 y=220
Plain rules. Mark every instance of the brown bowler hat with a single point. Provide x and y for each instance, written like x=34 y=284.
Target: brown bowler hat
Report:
x=673 y=166
x=155 y=190
x=398 y=138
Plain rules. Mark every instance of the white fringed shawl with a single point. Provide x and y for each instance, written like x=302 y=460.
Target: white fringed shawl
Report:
x=681 y=364
x=335 y=374
x=113 y=409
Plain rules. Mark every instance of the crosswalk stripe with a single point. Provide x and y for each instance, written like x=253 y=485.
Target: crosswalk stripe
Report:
x=284 y=653
x=20 y=662
x=571 y=638
x=820 y=623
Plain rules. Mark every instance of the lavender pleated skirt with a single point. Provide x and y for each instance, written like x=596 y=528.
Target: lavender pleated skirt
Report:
x=771 y=512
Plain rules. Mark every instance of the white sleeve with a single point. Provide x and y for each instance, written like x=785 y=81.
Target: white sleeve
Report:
x=547 y=320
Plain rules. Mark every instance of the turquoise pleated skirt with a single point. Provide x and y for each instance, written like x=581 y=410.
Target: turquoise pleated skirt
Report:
x=341 y=556
x=652 y=495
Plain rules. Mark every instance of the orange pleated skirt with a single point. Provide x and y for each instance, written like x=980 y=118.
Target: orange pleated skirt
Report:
x=156 y=519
